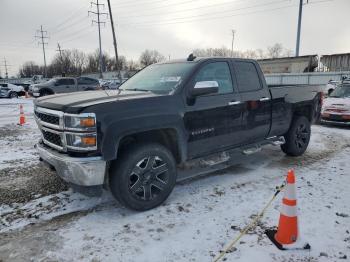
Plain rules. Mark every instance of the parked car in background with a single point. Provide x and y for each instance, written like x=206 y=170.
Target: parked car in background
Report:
x=11 y=91
x=64 y=85
x=336 y=108
x=331 y=85
x=111 y=84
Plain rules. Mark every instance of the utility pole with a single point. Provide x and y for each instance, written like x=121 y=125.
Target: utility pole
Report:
x=233 y=38
x=98 y=22
x=114 y=40
x=301 y=3
x=61 y=57
x=42 y=37
x=6 y=71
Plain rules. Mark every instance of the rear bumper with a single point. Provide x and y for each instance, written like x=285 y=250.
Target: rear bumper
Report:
x=82 y=171
x=333 y=122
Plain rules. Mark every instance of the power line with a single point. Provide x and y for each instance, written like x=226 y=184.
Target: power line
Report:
x=216 y=17
x=212 y=13
x=98 y=22
x=170 y=5
x=137 y=3
x=185 y=9
x=68 y=18
x=77 y=20
x=43 y=43
x=77 y=36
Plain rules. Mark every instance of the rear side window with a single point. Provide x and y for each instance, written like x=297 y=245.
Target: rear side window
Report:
x=87 y=81
x=217 y=71
x=65 y=81
x=3 y=85
x=247 y=77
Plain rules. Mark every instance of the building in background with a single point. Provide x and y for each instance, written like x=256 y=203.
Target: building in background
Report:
x=336 y=62
x=300 y=64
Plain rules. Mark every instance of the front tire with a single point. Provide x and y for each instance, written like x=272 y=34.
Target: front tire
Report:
x=143 y=177
x=298 y=137
x=13 y=95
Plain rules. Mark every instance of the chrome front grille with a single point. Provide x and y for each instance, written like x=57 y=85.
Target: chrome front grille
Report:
x=49 y=118
x=50 y=123
x=52 y=138
x=46 y=118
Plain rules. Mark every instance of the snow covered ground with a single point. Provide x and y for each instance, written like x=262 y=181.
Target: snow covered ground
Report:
x=197 y=221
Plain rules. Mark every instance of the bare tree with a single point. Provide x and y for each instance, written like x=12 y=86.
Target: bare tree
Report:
x=29 y=69
x=275 y=51
x=149 y=57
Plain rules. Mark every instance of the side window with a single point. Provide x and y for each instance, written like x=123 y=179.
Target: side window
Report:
x=87 y=81
x=60 y=82
x=217 y=71
x=70 y=81
x=247 y=77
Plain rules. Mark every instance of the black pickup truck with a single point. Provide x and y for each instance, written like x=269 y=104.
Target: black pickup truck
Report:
x=135 y=140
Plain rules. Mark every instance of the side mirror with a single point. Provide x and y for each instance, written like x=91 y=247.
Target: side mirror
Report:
x=205 y=88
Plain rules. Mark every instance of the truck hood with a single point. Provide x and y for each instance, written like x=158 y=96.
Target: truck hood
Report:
x=76 y=102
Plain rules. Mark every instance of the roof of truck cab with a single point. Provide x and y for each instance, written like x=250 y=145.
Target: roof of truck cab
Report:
x=201 y=59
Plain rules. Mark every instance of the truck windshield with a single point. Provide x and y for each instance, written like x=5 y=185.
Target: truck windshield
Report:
x=341 y=91
x=159 y=78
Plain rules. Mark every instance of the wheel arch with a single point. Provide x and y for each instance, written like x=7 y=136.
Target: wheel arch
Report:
x=168 y=137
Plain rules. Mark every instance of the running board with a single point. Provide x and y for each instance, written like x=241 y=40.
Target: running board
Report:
x=252 y=150
x=275 y=141
x=218 y=161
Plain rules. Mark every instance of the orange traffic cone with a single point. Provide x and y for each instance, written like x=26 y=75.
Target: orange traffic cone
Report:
x=287 y=234
x=22 y=118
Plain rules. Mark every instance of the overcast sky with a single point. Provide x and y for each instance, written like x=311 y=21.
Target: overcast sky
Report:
x=174 y=27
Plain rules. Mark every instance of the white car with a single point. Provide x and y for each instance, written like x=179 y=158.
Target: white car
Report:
x=11 y=91
x=331 y=85
x=336 y=108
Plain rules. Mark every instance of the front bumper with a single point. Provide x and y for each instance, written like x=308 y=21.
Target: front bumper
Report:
x=4 y=93
x=82 y=171
x=34 y=94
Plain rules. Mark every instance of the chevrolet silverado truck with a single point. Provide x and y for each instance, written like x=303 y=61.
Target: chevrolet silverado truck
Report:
x=64 y=85
x=135 y=141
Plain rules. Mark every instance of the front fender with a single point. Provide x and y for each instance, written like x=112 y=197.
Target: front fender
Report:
x=115 y=131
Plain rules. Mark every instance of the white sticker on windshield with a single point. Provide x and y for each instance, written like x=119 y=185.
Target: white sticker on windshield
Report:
x=170 y=79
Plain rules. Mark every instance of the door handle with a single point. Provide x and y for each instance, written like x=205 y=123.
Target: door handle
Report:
x=232 y=103
x=264 y=99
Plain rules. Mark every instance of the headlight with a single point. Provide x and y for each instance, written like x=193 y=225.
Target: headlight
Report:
x=81 y=141
x=82 y=122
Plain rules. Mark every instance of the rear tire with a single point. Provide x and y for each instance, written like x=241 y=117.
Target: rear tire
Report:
x=298 y=137
x=143 y=177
